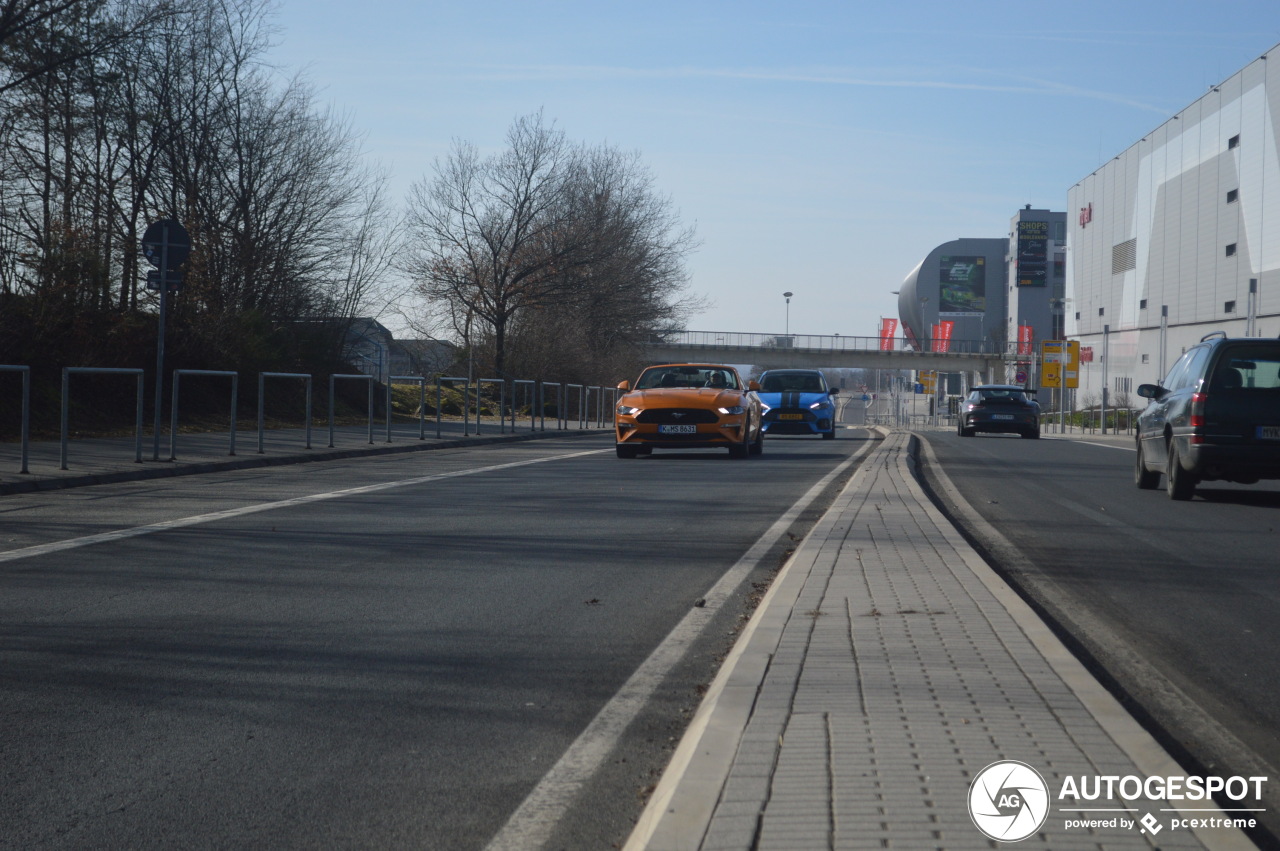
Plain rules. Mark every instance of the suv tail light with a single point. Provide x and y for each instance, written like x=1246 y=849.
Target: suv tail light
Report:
x=1197 y=416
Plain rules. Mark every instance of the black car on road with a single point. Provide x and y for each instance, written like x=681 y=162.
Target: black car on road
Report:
x=999 y=408
x=1215 y=416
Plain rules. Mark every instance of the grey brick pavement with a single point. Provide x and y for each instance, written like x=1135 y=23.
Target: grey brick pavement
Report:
x=887 y=671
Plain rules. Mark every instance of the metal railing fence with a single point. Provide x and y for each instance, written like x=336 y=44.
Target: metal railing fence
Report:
x=830 y=343
x=67 y=372
x=262 y=416
x=534 y=395
x=333 y=379
x=25 y=423
x=421 y=381
x=173 y=405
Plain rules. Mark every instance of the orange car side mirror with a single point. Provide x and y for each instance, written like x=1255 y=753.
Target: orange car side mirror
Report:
x=753 y=385
x=624 y=386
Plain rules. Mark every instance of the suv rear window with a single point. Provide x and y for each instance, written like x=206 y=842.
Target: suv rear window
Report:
x=1248 y=367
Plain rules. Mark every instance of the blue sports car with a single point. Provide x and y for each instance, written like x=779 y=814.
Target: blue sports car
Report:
x=798 y=401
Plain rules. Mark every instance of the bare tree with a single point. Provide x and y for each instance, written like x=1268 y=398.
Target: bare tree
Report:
x=490 y=237
x=30 y=45
x=547 y=226
x=287 y=223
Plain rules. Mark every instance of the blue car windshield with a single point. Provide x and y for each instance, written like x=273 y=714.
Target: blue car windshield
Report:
x=794 y=383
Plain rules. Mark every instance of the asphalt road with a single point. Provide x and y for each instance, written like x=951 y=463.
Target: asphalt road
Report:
x=1175 y=601
x=385 y=652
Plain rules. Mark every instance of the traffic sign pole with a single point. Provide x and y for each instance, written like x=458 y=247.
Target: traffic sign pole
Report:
x=164 y=293
x=165 y=243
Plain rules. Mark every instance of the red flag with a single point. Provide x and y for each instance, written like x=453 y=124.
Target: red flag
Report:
x=945 y=327
x=888 y=330
x=1026 y=335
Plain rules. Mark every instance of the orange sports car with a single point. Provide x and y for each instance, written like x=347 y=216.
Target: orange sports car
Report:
x=689 y=406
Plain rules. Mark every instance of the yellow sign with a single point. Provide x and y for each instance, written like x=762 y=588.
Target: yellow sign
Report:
x=1060 y=364
x=928 y=380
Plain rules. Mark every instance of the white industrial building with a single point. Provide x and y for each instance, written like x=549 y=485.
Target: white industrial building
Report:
x=1177 y=237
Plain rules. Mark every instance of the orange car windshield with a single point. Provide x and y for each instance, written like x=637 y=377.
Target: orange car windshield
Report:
x=687 y=376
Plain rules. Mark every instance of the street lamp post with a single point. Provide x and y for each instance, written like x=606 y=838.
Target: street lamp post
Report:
x=787 y=296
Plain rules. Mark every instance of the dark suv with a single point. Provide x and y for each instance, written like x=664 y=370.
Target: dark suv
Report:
x=998 y=408
x=1216 y=415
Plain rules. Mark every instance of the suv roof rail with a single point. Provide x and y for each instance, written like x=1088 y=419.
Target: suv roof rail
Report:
x=1211 y=335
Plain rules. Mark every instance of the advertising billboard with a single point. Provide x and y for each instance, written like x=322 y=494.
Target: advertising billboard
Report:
x=1033 y=254
x=962 y=285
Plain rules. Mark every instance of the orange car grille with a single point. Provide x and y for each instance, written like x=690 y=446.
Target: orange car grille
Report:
x=677 y=416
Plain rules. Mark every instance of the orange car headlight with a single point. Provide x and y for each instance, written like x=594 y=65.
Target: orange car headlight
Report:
x=735 y=409
x=627 y=410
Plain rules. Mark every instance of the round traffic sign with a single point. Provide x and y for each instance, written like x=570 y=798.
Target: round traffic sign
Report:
x=166 y=234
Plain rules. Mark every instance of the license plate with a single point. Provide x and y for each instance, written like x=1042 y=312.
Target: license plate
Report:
x=677 y=429
x=790 y=416
x=1002 y=416
x=1268 y=432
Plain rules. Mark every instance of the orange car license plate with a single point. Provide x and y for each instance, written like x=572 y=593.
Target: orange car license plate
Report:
x=677 y=429
x=790 y=416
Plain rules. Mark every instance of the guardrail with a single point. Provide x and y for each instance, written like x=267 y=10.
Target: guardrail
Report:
x=535 y=395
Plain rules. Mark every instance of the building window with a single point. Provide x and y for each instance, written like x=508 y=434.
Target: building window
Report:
x=1231 y=250
x=1146 y=358
x=1102 y=311
x=1142 y=305
x=1233 y=195
x=1077 y=316
x=1234 y=141
x=1229 y=307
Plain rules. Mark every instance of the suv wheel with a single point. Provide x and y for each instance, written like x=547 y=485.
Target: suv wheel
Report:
x=1178 y=482
x=1142 y=477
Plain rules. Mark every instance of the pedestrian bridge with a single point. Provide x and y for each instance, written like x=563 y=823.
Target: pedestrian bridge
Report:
x=778 y=351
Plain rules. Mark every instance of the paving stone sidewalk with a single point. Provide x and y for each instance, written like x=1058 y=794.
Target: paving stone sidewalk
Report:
x=887 y=667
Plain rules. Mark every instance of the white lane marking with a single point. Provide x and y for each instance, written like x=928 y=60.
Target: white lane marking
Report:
x=1083 y=441
x=533 y=822
x=195 y=520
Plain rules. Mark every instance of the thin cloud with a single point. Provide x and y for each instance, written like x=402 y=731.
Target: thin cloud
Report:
x=829 y=78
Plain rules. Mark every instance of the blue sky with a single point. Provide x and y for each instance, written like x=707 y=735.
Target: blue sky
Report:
x=819 y=147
